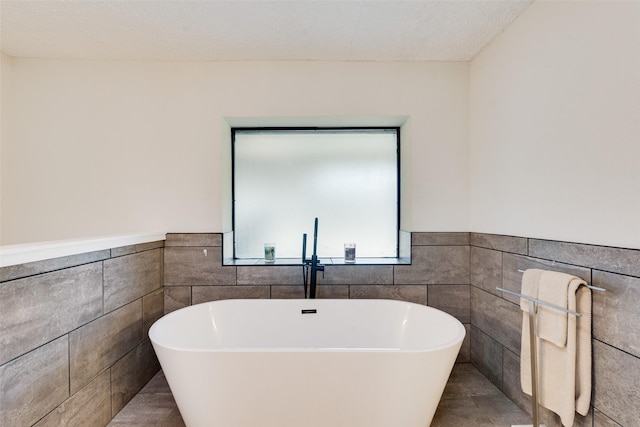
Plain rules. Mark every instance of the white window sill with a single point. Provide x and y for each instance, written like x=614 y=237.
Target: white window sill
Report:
x=322 y=260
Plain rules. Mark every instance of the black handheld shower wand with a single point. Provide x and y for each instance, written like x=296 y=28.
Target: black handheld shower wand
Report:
x=315 y=266
x=304 y=263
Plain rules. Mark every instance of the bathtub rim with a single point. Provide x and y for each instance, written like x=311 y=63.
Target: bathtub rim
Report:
x=454 y=341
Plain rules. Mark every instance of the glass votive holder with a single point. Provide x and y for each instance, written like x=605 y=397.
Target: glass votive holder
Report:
x=270 y=252
x=349 y=252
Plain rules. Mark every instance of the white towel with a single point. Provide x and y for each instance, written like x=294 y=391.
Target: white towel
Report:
x=529 y=286
x=553 y=324
x=564 y=371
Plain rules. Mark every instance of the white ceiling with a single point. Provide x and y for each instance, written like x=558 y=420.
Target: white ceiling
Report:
x=343 y=30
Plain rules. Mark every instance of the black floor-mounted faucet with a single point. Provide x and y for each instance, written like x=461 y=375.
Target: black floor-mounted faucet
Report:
x=311 y=264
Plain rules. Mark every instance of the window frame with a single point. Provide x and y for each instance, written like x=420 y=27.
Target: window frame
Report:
x=288 y=261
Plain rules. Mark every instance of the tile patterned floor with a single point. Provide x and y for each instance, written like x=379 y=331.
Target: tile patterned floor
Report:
x=469 y=400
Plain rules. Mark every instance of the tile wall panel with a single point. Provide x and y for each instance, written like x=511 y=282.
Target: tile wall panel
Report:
x=616 y=312
x=131 y=373
x=39 y=267
x=464 y=356
x=290 y=291
x=332 y=291
x=91 y=406
x=34 y=384
x=486 y=269
x=411 y=293
x=202 y=294
x=60 y=345
x=152 y=310
x=130 y=277
x=269 y=275
x=439 y=239
x=30 y=307
x=615 y=260
x=196 y=266
x=601 y=420
x=99 y=344
x=322 y=291
x=357 y=274
x=511 y=277
x=132 y=249
x=435 y=265
x=516 y=245
x=452 y=299
x=511 y=385
x=176 y=298
x=486 y=356
x=193 y=239
x=496 y=317
x=617 y=385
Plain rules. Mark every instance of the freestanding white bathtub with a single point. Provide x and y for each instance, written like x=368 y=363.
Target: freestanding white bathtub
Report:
x=303 y=363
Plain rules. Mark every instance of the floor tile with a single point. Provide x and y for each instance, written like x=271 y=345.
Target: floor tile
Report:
x=469 y=400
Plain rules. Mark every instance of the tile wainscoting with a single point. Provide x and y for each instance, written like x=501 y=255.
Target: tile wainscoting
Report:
x=438 y=276
x=73 y=335
x=74 y=329
x=496 y=319
x=456 y=272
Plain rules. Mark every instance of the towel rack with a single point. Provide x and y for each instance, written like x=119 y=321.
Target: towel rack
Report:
x=533 y=310
x=539 y=302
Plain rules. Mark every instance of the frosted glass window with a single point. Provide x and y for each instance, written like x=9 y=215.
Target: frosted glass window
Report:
x=348 y=179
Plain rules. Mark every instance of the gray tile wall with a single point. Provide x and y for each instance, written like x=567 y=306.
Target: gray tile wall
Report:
x=74 y=330
x=73 y=335
x=496 y=319
x=438 y=276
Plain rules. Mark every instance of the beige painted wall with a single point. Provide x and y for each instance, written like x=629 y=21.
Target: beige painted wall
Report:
x=537 y=136
x=555 y=125
x=99 y=148
x=6 y=71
